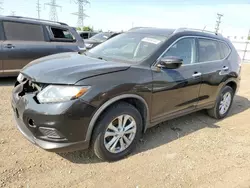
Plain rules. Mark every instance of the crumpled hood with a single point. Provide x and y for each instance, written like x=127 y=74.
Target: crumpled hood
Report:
x=68 y=68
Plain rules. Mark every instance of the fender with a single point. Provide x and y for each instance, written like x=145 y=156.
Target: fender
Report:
x=107 y=104
x=226 y=82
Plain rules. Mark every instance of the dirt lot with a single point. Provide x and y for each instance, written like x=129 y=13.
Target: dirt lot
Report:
x=192 y=151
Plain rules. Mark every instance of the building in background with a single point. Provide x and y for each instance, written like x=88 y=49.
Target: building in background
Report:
x=235 y=33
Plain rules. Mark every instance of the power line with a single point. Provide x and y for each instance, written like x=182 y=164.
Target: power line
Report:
x=218 y=22
x=38 y=8
x=53 y=12
x=81 y=15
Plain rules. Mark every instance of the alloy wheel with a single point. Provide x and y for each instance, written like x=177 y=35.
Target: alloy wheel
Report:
x=120 y=133
x=225 y=103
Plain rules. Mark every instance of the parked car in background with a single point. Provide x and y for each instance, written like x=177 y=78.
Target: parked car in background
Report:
x=109 y=96
x=25 y=39
x=87 y=34
x=99 y=38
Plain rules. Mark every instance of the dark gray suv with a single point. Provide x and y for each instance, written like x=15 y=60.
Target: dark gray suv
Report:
x=25 y=39
x=109 y=96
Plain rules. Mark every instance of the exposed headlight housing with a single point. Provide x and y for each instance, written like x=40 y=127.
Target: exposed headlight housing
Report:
x=20 y=78
x=61 y=93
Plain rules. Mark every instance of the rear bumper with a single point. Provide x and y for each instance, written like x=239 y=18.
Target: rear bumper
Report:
x=48 y=145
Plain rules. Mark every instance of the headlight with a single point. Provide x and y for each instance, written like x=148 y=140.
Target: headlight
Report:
x=56 y=93
x=88 y=45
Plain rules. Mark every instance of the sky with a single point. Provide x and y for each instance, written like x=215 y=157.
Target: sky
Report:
x=120 y=15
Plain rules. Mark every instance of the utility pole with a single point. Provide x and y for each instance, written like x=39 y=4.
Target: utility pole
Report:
x=218 y=22
x=81 y=15
x=53 y=12
x=38 y=8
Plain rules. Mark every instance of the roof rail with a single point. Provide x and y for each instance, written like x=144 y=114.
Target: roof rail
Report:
x=200 y=30
x=133 y=28
x=35 y=19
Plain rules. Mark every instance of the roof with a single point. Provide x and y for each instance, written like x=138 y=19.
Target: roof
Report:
x=154 y=31
x=168 y=32
x=32 y=20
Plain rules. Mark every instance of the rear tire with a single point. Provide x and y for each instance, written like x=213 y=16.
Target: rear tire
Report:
x=223 y=103
x=111 y=141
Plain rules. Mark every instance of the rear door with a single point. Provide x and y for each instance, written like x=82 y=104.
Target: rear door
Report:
x=23 y=43
x=214 y=68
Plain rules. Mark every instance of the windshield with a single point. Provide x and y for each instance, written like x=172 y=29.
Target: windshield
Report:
x=131 y=47
x=101 y=36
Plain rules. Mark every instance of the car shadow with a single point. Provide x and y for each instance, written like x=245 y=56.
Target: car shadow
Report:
x=10 y=81
x=167 y=132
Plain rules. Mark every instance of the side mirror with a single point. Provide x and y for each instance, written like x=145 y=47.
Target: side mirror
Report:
x=170 y=62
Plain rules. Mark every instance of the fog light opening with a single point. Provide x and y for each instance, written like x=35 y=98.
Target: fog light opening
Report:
x=50 y=133
x=31 y=123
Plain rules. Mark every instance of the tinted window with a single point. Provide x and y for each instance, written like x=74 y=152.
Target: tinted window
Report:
x=61 y=33
x=224 y=50
x=208 y=50
x=184 y=49
x=84 y=35
x=23 y=31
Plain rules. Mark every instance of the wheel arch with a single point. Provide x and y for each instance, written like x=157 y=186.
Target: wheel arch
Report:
x=130 y=98
x=232 y=84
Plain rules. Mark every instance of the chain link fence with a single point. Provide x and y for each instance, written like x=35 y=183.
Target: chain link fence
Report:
x=243 y=48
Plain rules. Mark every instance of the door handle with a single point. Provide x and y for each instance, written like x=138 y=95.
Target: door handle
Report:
x=196 y=74
x=9 y=46
x=225 y=68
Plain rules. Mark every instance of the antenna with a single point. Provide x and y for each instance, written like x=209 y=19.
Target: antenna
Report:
x=218 y=22
x=53 y=12
x=38 y=8
x=81 y=15
x=204 y=28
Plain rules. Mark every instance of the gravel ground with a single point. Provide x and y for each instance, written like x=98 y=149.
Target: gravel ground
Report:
x=191 y=151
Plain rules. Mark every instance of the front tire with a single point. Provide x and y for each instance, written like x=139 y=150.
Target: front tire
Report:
x=117 y=132
x=222 y=104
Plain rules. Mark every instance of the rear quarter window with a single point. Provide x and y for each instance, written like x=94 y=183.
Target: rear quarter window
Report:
x=62 y=34
x=225 y=50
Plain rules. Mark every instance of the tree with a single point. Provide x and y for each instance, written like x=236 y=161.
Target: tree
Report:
x=78 y=29
x=87 y=28
x=248 y=38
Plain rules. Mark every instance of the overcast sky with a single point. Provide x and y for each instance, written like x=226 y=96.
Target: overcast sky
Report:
x=123 y=14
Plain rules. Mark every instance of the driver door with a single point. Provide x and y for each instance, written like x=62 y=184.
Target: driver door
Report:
x=176 y=91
